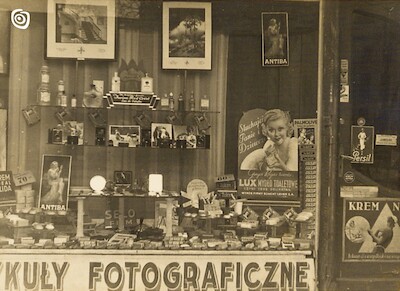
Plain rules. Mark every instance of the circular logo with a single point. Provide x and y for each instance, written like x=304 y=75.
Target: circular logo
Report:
x=349 y=177
x=361 y=121
x=20 y=18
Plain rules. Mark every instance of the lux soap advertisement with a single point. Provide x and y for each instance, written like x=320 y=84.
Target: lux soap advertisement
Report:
x=371 y=230
x=267 y=155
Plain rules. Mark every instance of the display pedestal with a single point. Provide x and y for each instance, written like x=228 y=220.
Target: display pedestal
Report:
x=79 y=217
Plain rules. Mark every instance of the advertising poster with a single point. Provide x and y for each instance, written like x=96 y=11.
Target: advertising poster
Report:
x=275 y=39
x=267 y=155
x=305 y=131
x=54 y=182
x=7 y=194
x=362 y=144
x=137 y=272
x=371 y=230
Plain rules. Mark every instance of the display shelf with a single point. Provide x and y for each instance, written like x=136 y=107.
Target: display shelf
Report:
x=124 y=107
x=138 y=148
x=123 y=252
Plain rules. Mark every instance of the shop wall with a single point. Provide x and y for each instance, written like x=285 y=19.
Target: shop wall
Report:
x=138 y=41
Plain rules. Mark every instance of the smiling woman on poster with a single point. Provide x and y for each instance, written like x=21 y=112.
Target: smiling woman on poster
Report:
x=280 y=152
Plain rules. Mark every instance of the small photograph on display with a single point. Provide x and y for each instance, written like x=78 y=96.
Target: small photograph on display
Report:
x=161 y=134
x=124 y=135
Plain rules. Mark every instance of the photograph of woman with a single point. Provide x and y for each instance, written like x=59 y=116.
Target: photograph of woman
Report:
x=280 y=152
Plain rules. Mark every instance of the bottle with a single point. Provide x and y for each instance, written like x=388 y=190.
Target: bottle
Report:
x=204 y=103
x=192 y=102
x=43 y=94
x=60 y=89
x=165 y=102
x=73 y=101
x=64 y=101
x=45 y=76
x=116 y=83
x=147 y=84
x=181 y=103
x=171 y=101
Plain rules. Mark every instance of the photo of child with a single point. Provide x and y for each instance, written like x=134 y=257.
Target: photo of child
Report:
x=280 y=152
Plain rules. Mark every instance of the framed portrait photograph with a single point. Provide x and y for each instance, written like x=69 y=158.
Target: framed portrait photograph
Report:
x=124 y=135
x=186 y=35
x=54 y=182
x=275 y=39
x=81 y=29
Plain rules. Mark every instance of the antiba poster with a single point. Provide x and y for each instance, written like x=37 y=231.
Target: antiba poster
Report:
x=261 y=175
x=371 y=230
x=275 y=36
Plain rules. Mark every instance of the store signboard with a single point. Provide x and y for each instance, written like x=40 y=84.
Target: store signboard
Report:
x=259 y=175
x=371 y=231
x=123 y=271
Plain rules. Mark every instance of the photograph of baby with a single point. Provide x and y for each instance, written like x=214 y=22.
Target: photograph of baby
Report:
x=124 y=135
x=54 y=182
x=280 y=151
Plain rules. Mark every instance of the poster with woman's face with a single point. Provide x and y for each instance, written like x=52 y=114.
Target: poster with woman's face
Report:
x=267 y=155
x=54 y=182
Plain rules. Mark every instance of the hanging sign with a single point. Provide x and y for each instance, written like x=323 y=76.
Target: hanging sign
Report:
x=362 y=144
x=262 y=161
x=371 y=230
x=133 y=98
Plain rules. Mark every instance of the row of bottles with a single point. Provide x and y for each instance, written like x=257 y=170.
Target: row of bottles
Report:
x=168 y=102
x=44 y=94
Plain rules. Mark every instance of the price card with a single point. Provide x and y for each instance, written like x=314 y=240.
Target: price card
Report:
x=24 y=178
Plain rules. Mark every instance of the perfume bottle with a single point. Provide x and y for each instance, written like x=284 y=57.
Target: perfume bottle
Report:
x=171 y=101
x=73 y=101
x=165 y=102
x=60 y=91
x=116 y=83
x=64 y=99
x=204 y=103
x=147 y=84
x=181 y=103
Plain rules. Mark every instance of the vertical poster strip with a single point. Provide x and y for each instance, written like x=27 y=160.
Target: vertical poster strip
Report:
x=267 y=159
x=305 y=131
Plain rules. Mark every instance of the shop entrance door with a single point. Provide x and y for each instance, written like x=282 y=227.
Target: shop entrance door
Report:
x=370 y=153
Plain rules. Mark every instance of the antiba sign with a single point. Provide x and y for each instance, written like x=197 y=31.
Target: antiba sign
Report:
x=124 y=271
x=262 y=158
x=371 y=230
